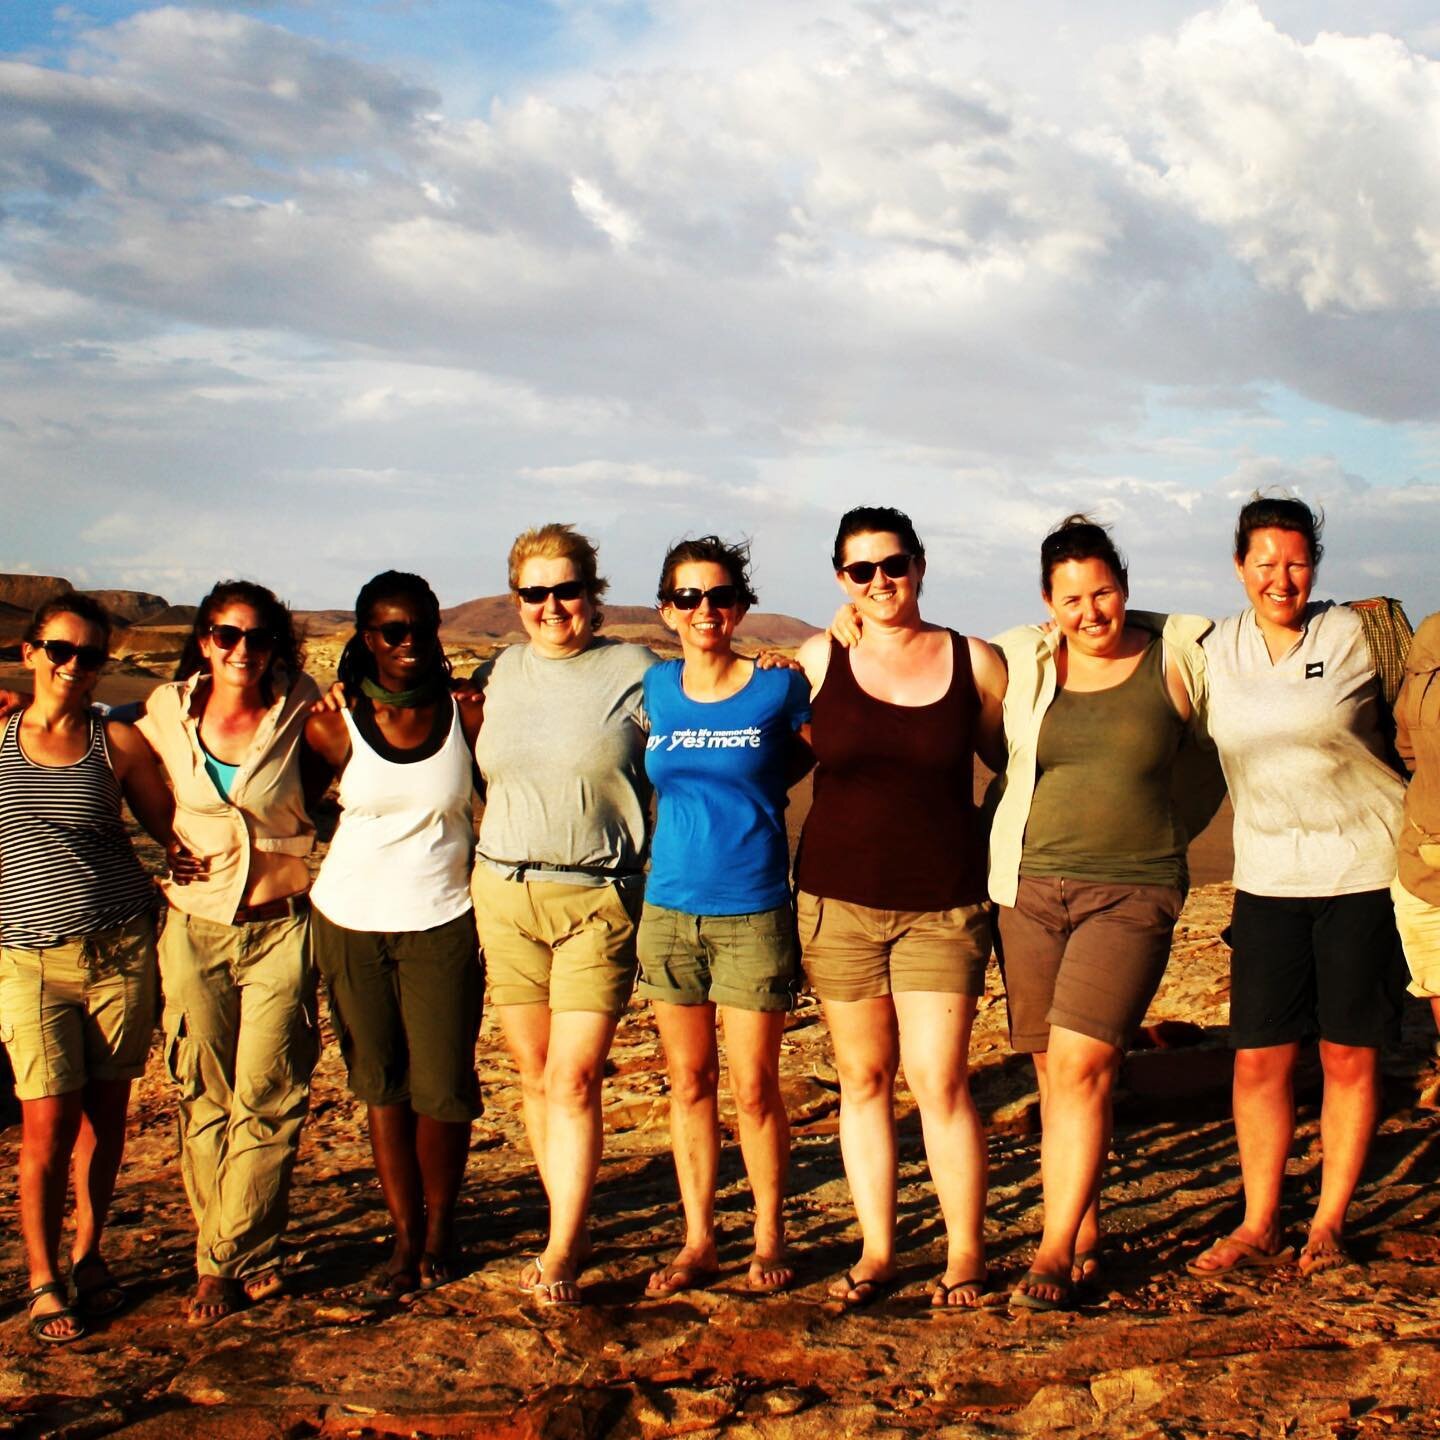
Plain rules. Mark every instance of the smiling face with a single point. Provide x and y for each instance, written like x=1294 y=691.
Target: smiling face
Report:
x=69 y=682
x=557 y=628
x=245 y=663
x=1088 y=603
x=884 y=598
x=399 y=665
x=1278 y=574
x=703 y=629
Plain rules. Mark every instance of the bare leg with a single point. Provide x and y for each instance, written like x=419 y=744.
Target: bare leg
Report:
x=526 y=1029
x=47 y=1137
x=1079 y=1088
x=867 y=1055
x=579 y=1042
x=99 y=1148
x=935 y=1049
x=752 y=1052
x=688 y=1034
x=1348 y=1115
x=392 y=1142
x=1264 y=1129
x=442 y=1147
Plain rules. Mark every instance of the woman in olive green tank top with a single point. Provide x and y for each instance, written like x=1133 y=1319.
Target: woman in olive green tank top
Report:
x=1096 y=714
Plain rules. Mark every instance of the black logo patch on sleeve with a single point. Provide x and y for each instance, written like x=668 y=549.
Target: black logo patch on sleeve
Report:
x=1314 y=669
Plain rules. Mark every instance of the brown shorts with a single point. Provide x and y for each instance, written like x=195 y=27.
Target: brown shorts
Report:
x=1085 y=955
x=81 y=1010
x=853 y=952
x=571 y=947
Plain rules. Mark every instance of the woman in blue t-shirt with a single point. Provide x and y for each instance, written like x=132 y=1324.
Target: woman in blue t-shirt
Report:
x=718 y=929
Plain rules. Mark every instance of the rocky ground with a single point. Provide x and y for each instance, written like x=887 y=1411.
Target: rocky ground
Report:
x=1154 y=1352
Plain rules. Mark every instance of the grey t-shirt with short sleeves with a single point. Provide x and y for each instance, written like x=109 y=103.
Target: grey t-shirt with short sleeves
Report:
x=562 y=752
x=1317 y=809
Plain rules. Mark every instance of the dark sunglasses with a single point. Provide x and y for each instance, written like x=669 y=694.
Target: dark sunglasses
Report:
x=227 y=637
x=62 y=652
x=722 y=597
x=397 y=632
x=862 y=572
x=539 y=594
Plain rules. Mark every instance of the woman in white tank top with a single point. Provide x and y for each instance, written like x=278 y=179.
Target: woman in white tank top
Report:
x=394 y=931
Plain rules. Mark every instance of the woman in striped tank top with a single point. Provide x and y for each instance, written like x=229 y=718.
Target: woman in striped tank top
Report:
x=77 y=952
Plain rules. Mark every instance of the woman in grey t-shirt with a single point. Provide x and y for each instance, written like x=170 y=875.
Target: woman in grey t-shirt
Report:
x=559 y=876
x=1295 y=715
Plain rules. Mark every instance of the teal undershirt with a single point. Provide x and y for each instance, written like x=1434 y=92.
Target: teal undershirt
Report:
x=222 y=774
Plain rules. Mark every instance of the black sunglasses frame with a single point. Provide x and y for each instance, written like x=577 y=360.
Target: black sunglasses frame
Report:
x=227 y=637
x=539 y=594
x=397 y=632
x=62 y=652
x=721 y=597
x=862 y=572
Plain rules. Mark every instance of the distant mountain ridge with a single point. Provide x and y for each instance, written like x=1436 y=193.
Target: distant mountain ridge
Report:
x=490 y=619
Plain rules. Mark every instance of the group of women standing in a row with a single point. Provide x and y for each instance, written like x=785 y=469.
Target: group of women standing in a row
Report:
x=1096 y=726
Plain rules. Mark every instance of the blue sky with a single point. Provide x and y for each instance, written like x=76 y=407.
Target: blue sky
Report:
x=306 y=291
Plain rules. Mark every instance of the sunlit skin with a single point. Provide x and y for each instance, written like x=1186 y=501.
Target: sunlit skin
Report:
x=557 y=628
x=420 y=1160
x=1278 y=574
x=712 y=672
x=83 y=1130
x=902 y=660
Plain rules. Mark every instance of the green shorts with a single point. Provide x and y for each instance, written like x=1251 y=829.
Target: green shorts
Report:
x=748 y=962
x=82 y=1010
x=406 y=1010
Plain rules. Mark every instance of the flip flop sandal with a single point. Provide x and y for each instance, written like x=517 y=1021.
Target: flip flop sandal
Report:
x=222 y=1307
x=435 y=1271
x=941 y=1292
x=263 y=1285
x=1328 y=1255
x=65 y=1312
x=867 y=1292
x=1247 y=1257
x=385 y=1287
x=1022 y=1299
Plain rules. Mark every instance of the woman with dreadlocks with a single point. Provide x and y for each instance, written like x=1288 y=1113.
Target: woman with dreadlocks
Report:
x=394 y=931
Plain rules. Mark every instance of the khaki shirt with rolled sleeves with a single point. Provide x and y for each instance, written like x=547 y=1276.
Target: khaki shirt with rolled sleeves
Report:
x=1029 y=651
x=1417 y=738
x=265 y=813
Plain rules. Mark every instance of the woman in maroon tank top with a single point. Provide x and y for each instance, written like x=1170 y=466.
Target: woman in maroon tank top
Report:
x=893 y=917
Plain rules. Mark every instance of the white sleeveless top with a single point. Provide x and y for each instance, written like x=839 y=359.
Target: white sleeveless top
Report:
x=400 y=859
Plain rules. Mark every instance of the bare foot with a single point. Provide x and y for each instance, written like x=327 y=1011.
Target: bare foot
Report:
x=263 y=1285
x=213 y=1300
x=694 y=1267
x=769 y=1273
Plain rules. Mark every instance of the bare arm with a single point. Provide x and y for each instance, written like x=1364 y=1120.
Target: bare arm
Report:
x=814 y=658
x=326 y=735
x=988 y=667
x=1179 y=695
x=143 y=783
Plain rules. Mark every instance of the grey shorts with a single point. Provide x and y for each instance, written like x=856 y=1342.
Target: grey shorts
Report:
x=406 y=1009
x=748 y=962
x=1086 y=955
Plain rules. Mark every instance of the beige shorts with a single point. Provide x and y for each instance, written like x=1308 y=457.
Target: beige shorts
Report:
x=852 y=952
x=571 y=947
x=82 y=1010
x=1419 y=925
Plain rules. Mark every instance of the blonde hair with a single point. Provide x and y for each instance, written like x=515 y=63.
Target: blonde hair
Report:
x=559 y=542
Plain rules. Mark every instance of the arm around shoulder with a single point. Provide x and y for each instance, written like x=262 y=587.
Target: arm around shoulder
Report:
x=814 y=658
x=987 y=665
x=142 y=781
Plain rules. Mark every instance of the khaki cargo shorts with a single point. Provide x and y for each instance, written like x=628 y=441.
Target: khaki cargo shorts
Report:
x=82 y=1010
x=569 y=946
